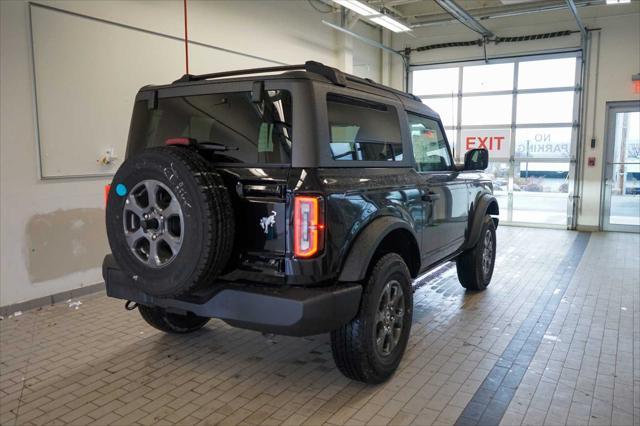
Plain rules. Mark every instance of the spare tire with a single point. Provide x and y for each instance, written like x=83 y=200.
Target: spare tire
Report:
x=170 y=221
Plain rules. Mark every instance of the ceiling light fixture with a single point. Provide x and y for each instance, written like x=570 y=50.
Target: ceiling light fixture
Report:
x=373 y=15
x=618 y=1
x=358 y=7
x=390 y=24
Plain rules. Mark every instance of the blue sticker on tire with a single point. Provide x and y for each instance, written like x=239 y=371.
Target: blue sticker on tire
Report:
x=121 y=190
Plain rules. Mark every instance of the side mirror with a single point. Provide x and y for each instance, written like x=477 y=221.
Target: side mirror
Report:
x=476 y=159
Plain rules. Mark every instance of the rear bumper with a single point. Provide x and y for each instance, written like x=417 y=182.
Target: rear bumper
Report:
x=292 y=311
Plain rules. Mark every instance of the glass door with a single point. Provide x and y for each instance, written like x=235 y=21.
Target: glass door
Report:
x=524 y=110
x=621 y=210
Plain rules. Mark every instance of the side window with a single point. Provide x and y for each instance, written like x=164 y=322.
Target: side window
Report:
x=429 y=145
x=363 y=130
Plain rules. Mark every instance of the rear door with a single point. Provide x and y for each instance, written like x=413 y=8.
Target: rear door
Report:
x=247 y=139
x=445 y=194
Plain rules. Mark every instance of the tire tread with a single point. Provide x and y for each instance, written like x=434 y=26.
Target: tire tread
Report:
x=348 y=343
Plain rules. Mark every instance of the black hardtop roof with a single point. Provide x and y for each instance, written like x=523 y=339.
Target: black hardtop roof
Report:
x=310 y=70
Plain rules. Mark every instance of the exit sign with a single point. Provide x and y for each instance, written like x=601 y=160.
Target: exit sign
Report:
x=496 y=141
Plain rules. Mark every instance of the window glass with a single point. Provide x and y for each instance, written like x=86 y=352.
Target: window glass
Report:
x=437 y=81
x=547 y=73
x=429 y=145
x=552 y=142
x=363 y=130
x=480 y=110
x=487 y=78
x=251 y=132
x=554 y=107
x=447 y=108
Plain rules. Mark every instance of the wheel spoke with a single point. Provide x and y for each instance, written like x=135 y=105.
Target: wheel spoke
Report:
x=132 y=205
x=133 y=237
x=380 y=341
x=384 y=298
x=387 y=345
x=397 y=295
x=153 y=252
x=152 y=192
x=172 y=209
x=173 y=242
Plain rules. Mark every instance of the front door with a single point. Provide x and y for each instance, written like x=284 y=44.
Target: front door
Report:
x=621 y=210
x=444 y=192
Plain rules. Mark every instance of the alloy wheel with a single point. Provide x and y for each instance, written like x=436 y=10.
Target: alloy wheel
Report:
x=153 y=223
x=389 y=318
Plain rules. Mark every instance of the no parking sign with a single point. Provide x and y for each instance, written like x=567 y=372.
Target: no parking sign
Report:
x=496 y=141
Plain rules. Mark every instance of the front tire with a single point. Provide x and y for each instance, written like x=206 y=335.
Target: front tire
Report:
x=171 y=323
x=370 y=347
x=475 y=266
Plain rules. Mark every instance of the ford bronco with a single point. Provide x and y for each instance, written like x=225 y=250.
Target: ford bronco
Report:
x=293 y=200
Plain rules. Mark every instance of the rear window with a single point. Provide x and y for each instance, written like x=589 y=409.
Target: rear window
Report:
x=363 y=130
x=257 y=133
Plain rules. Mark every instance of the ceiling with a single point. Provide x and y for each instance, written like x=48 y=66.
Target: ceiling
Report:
x=420 y=13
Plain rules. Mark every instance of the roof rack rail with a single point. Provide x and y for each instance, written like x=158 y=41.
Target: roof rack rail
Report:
x=332 y=74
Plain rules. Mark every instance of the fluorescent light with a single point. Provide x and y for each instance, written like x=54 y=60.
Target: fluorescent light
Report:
x=373 y=15
x=618 y=1
x=390 y=23
x=358 y=7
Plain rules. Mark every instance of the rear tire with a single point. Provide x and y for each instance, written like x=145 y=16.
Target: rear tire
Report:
x=370 y=347
x=171 y=323
x=475 y=266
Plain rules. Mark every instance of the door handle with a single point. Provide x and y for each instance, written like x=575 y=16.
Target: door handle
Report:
x=431 y=196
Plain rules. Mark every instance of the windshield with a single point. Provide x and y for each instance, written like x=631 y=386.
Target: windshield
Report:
x=251 y=132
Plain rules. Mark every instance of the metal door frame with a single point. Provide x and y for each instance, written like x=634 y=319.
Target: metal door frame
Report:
x=612 y=108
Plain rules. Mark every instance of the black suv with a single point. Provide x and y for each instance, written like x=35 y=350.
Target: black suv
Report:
x=293 y=200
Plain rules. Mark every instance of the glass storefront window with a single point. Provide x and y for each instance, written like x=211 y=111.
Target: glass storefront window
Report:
x=532 y=176
x=550 y=142
x=553 y=107
x=438 y=81
x=499 y=173
x=547 y=73
x=487 y=78
x=486 y=110
x=541 y=177
x=447 y=108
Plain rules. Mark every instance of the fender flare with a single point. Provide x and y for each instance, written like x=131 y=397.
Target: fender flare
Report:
x=365 y=245
x=485 y=203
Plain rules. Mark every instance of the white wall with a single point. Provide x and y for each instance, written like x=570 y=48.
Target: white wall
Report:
x=619 y=59
x=52 y=232
x=367 y=58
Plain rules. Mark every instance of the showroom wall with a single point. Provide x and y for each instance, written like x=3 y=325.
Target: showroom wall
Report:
x=617 y=59
x=53 y=236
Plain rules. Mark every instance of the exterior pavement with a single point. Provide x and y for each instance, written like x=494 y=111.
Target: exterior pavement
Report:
x=554 y=340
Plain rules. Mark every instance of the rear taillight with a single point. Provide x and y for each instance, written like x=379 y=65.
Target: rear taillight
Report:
x=107 y=188
x=308 y=226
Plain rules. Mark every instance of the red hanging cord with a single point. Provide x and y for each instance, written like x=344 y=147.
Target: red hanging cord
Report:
x=186 y=40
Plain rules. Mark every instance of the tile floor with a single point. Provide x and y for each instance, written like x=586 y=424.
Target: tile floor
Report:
x=554 y=340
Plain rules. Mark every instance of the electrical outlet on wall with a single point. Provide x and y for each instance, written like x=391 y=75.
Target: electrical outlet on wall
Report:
x=108 y=156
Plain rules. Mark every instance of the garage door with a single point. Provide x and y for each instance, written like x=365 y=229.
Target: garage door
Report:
x=525 y=111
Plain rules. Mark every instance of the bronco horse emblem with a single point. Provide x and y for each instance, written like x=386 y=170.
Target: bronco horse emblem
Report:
x=268 y=221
